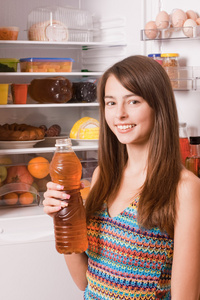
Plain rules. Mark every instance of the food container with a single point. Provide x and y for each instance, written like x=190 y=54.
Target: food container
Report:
x=157 y=57
x=60 y=24
x=4 y=93
x=19 y=93
x=8 y=64
x=35 y=64
x=171 y=64
x=22 y=181
x=9 y=33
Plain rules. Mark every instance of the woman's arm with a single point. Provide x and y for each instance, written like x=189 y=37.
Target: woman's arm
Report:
x=77 y=265
x=185 y=283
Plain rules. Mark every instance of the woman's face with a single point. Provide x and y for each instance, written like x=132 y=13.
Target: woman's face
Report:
x=129 y=116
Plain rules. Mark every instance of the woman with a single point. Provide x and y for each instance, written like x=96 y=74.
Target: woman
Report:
x=143 y=210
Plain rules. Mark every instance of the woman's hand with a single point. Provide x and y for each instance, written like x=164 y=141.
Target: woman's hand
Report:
x=53 y=198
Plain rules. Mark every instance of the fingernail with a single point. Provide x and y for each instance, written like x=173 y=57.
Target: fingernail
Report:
x=64 y=204
x=65 y=196
x=60 y=187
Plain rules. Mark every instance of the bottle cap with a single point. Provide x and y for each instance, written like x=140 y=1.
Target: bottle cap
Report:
x=154 y=55
x=182 y=124
x=194 y=140
x=169 y=55
x=63 y=142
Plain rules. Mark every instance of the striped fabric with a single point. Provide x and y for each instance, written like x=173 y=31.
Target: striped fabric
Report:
x=126 y=262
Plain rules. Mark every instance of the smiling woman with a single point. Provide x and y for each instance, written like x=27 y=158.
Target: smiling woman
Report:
x=143 y=206
x=129 y=116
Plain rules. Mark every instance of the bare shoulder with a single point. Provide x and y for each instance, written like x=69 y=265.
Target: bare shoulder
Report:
x=95 y=176
x=188 y=188
x=188 y=198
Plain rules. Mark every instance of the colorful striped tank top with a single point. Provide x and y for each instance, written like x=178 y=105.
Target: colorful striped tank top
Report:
x=126 y=262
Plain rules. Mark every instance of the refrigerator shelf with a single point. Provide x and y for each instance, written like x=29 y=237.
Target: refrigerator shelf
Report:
x=54 y=45
x=57 y=105
x=171 y=33
x=46 y=149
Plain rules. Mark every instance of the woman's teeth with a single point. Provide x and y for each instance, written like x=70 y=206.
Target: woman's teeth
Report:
x=123 y=127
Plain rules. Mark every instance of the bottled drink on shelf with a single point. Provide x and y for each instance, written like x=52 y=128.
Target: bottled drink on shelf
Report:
x=184 y=142
x=193 y=161
x=70 y=222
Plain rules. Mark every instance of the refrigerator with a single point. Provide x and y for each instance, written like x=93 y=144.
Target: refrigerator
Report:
x=30 y=266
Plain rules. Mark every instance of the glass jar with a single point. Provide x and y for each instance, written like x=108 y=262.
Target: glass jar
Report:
x=157 y=57
x=171 y=64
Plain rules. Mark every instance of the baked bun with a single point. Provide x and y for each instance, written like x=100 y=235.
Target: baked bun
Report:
x=54 y=31
x=20 y=132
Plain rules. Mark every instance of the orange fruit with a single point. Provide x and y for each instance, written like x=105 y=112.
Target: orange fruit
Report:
x=10 y=198
x=38 y=167
x=85 y=191
x=26 y=198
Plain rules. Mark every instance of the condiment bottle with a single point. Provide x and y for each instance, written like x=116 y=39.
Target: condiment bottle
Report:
x=156 y=56
x=171 y=64
x=193 y=161
x=69 y=222
x=184 y=142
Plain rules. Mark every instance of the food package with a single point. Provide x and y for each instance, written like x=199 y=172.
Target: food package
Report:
x=85 y=128
x=51 y=90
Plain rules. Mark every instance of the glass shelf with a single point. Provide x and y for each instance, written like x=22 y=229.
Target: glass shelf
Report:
x=171 y=33
x=52 y=45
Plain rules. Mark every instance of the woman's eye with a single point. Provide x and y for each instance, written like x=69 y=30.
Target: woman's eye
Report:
x=133 y=101
x=110 y=103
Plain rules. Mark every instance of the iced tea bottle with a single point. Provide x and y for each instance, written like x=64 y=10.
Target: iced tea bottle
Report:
x=69 y=222
x=193 y=161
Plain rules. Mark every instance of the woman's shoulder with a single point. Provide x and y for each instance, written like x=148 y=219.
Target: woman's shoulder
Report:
x=188 y=189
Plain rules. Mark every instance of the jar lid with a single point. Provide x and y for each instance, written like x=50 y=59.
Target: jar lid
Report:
x=169 y=55
x=194 y=140
x=154 y=55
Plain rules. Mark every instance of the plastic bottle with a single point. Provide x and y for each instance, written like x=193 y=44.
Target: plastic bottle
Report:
x=70 y=222
x=193 y=161
x=184 y=142
x=156 y=56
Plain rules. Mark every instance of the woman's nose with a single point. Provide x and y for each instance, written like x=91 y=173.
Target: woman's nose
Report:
x=121 y=112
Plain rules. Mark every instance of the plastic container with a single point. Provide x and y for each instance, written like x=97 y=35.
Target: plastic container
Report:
x=45 y=64
x=70 y=222
x=9 y=33
x=55 y=23
x=8 y=64
x=184 y=142
x=192 y=162
x=157 y=57
x=171 y=64
x=19 y=93
x=4 y=93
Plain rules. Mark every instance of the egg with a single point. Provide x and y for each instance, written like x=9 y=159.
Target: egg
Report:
x=188 y=27
x=198 y=21
x=151 y=31
x=191 y=14
x=178 y=17
x=162 y=20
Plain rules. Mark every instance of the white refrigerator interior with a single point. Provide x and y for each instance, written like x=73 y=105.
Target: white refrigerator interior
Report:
x=30 y=266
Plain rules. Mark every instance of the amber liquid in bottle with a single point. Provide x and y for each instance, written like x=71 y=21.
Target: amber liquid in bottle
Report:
x=70 y=222
x=184 y=148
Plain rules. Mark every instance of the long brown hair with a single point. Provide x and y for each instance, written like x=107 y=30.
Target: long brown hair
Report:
x=146 y=78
